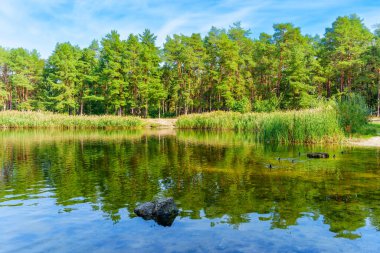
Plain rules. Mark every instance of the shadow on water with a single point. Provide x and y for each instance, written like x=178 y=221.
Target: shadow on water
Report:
x=211 y=175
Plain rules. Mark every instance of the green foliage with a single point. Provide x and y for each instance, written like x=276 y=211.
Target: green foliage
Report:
x=113 y=70
x=152 y=90
x=368 y=130
x=295 y=54
x=20 y=74
x=15 y=119
x=306 y=126
x=344 y=43
x=88 y=91
x=225 y=70
x=352 y=112
x=63 y=77
x=267 y=105
x=242 y=106
x=184 y=64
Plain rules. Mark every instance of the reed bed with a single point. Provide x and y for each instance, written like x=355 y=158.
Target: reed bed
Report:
x=318 y=125
x=16 y=119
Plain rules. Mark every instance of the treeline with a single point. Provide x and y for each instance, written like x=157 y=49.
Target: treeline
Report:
x=225 y=70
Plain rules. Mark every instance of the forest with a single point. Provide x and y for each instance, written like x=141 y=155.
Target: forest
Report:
x=226 y=70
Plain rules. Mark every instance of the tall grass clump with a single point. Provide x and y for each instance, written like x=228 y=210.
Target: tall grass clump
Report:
x=353 y=113
x=305 y=126
x=16 y=119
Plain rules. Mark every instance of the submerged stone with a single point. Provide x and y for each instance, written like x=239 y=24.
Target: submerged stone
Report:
x=318 y=155
x=163 y=211
x=145 y=210
x=165 y=220
x=165 y=206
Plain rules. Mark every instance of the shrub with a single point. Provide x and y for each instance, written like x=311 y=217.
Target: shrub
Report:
x=268 y=105
x=243 y=105
x=352 y=112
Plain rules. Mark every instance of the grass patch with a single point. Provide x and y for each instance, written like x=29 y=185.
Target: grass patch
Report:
x=369 y=130
x=305 y=126
x=16 y=119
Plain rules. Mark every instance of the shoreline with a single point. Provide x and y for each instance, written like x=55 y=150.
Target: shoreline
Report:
x=371 y=142
x=160 y=122
x=215 y=120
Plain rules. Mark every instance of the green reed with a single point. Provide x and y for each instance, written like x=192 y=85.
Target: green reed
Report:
x=16 y=119
x=304 y=126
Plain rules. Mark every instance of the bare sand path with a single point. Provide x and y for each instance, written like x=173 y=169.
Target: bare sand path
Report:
x=161 y=123
x=371 y=142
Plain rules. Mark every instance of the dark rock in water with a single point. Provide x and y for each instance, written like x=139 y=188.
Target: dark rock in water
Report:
x=318 y=155
x=163 y=211
x=145 y=210
x=165 y=220
x=165 y=206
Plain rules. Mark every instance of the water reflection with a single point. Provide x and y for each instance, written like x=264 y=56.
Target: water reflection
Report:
x=223 y=177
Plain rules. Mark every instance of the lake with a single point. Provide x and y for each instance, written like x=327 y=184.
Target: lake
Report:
x=66 y=191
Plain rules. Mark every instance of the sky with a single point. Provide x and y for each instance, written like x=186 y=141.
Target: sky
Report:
x=40 y=24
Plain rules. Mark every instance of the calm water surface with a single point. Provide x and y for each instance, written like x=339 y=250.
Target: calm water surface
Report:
x=63 y=191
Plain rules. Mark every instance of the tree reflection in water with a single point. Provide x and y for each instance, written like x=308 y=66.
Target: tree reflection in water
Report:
x=210 y=175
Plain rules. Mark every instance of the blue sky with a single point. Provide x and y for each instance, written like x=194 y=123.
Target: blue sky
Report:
x=40 y=24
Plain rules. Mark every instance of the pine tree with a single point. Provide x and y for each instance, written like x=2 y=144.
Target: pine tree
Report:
x=113 y=72
x=26 y=68
x=87 y=90
x=153 y=89
x=63 y=77
x=293 y=79
x=345 y=42
x=5 y=84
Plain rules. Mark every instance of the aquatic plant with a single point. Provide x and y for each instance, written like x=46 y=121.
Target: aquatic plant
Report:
x=304 y=126
x=16 y=119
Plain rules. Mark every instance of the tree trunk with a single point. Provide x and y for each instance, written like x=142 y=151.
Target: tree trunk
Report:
x=349 y=81
x=8 y=88
x=146 y=109
x=81 y=108
x=279 y=75
x=10 y=100
x=341 y=81
x=328 y=88
x=210 y=107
